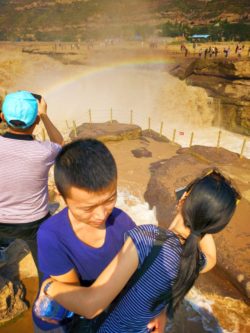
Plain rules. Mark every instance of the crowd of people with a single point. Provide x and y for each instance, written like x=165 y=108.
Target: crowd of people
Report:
x=213 y=51
x=108 y=274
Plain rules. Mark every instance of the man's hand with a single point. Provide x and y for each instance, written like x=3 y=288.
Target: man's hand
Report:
x=42 y=107
x=53 y=133
x=158 y=324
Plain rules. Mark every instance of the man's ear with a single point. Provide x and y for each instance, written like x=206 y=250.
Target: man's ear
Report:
x=37 y=121
x=2 y=116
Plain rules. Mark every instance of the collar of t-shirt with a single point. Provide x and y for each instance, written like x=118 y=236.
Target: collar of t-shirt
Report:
x=26 y=137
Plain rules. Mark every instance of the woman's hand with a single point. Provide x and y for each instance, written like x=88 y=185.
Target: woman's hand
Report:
x=158 y=324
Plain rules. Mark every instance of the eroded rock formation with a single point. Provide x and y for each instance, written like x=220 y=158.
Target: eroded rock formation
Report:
x=228 y=82
x=109 y=131
x=11 y=299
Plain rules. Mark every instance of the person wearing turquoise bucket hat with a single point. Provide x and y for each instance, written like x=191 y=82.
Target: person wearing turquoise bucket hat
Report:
x=24 y=168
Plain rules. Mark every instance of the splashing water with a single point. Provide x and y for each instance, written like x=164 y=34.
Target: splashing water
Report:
x=137 y=209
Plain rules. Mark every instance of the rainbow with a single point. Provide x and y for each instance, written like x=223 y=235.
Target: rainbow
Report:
x=92 y=70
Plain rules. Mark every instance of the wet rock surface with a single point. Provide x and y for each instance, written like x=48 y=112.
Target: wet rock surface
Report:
x=109 y=131
x=210 y=154
x=141 y=152
x=154 y=135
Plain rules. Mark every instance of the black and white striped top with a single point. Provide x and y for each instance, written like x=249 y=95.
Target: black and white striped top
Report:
x=133 y=312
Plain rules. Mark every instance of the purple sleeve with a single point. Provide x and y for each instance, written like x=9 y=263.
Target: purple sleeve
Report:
x=52 y=258
x=130 y=223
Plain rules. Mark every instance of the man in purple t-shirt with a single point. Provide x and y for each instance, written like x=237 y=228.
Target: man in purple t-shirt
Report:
x=75 y=245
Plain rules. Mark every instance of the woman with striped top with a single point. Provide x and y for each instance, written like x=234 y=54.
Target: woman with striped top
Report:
x=184 y=250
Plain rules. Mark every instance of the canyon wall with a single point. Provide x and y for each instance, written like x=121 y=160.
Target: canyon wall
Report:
x=227 y=83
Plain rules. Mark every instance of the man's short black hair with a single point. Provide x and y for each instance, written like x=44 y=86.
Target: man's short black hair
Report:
x=86 y=164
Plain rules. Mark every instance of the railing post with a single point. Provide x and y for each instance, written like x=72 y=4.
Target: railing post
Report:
x=174 y=133
x=67 y=124
x=161 y=128
x=74 y=129
x=90 y=117
x=218 y=140
x=149 y=123
x=111 y=115
x=131 y=117
x=243 y=147
x=191 y=139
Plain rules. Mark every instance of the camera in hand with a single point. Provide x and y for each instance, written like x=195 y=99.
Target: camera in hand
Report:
x=179 y=192
x=38 y=97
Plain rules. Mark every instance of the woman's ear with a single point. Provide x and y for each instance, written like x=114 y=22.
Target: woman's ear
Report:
x=182 y=200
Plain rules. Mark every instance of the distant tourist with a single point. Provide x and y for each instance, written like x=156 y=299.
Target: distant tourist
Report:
x=239 y=51
x=216 y=51
x=159 y=266
x=185 y=51
x=226 y=51
x=24 y=168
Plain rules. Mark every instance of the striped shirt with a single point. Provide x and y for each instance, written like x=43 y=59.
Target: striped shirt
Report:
x=134 y=311
x=24 y=169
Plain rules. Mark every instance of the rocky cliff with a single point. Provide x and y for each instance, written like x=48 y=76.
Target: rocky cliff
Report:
x=228 y=83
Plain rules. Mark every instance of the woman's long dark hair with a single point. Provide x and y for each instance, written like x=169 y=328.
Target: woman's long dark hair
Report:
x=207 y=208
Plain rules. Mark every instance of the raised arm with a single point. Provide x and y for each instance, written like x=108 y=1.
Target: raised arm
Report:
x=53 y=132
x=207 y=246
x=91 y=301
